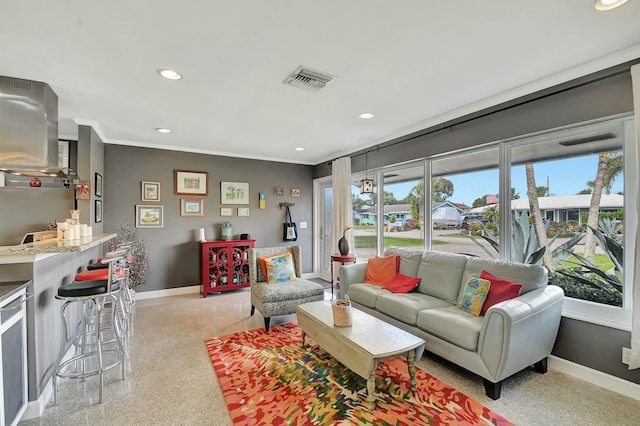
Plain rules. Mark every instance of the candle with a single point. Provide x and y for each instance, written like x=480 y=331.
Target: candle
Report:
x=201 y=235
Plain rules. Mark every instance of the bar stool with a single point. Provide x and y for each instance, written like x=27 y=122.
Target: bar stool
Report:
x=90 y=344
x=126 y=301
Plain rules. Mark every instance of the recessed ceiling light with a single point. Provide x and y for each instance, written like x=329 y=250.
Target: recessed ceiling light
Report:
x=163 y=130
x=603 y=5
x=170 y=74
x=299 y=149
x=366 y=115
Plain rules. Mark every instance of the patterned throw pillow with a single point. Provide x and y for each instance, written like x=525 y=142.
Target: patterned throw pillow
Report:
x=263 y=263
x=474 y=294
x=280 y=268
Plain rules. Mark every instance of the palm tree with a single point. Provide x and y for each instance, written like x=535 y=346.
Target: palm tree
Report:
x=491 y=213
x=610 y=165
x=536 y=215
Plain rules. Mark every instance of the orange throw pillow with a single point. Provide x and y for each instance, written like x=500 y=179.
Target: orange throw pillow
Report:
x=381 y=270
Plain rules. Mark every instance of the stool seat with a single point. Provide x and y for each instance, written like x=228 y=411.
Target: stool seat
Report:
x=97 y=265
x=86 y=288
x=97 y=274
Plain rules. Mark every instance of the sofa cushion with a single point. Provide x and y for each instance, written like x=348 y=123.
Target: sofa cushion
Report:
x=531 y=276
x=405 y=306
x=381 y=270
x=409 y=259
x=441 y=275
x=365 y=294
x=499 y=291
x=474 y=294
x=453 y=325
x=402 y=284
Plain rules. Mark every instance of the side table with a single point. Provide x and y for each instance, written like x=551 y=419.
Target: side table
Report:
x=342 y=258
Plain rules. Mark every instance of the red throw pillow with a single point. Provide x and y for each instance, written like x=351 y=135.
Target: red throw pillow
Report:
x=381 y=270
x=500 y=290
x=402 y=284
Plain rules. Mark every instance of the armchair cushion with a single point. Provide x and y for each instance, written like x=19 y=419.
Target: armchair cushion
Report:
x=280 y=268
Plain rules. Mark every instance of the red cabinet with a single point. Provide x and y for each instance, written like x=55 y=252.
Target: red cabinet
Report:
x=224 y=265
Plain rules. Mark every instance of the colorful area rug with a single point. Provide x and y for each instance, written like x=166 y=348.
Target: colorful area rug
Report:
x=269 y=379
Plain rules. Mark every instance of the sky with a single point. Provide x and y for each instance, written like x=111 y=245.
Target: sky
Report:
x=566 y=177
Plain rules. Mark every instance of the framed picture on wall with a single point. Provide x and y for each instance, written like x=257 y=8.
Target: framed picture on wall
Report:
x=98 y=211
x=191 y=206
x=189 y=182
x=98 y=190
x=243 y=211
x=148 y=216
x=150 y=191
x=234 y=193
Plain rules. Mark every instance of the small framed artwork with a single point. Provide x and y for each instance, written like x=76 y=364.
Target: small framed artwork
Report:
x=98 y=211
x=226 y=211
x=150 y=191
x=234 y=193
x=295 y=192
x=149 y=216
x=278 y=190
x=98 y=187
x=243 y=211
x=262 y=201
x=193 y=183
x=191 y=206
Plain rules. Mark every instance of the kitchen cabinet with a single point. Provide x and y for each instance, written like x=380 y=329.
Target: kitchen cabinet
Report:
x=13 y=353
x=224 y=265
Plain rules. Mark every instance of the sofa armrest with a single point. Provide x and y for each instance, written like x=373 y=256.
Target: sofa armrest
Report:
x=350 y=274
x=520 y=332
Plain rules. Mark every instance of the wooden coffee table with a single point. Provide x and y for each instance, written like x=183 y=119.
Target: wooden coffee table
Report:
x=360 y=346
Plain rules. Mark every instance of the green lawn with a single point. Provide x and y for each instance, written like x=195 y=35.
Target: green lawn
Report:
x=369 y=241
x=601 y=261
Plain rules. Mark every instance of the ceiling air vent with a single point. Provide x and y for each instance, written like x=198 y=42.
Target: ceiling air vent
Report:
x=307 y=78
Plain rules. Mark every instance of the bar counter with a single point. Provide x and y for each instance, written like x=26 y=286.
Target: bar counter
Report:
x=28 y=252
x=46 y=265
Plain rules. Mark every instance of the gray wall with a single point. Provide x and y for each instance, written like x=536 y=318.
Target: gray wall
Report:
x=25 y=210
x=600 y=95
x=173 y=249
x=601 y=98
x=90 y=162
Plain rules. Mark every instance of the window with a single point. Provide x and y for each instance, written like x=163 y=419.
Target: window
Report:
x=404 y=206
x=464 y=203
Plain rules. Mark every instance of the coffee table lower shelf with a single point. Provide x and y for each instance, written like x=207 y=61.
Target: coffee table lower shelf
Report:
x=362 y=345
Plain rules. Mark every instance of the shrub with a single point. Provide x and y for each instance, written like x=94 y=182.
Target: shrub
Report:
x=577 y=290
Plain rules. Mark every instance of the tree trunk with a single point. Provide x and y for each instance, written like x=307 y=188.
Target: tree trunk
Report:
x=594 y=207
x=536 y=215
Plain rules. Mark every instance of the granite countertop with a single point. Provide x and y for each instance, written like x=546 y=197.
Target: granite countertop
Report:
x=54 y=246
x=10 y=287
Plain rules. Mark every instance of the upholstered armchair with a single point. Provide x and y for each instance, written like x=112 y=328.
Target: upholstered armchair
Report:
x=279 y=298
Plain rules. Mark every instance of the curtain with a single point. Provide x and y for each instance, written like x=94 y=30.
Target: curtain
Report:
x=342 y=211
x=635 y=323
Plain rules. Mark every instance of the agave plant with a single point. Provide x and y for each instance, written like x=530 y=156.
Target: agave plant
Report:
x=524 y=243
x=586 y=273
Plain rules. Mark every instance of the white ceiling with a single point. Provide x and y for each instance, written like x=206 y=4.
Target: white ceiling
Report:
x=414 y=63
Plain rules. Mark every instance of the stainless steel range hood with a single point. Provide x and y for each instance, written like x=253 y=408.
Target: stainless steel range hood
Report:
x=29 y=131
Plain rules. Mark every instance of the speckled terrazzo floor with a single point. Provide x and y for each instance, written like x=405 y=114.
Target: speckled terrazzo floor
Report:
x=172 y=382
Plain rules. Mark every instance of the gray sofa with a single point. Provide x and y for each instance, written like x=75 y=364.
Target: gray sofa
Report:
x=511 y=336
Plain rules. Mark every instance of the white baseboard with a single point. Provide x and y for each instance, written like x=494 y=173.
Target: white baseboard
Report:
x=140 y=295
x=36 y=408
x=598 y=378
